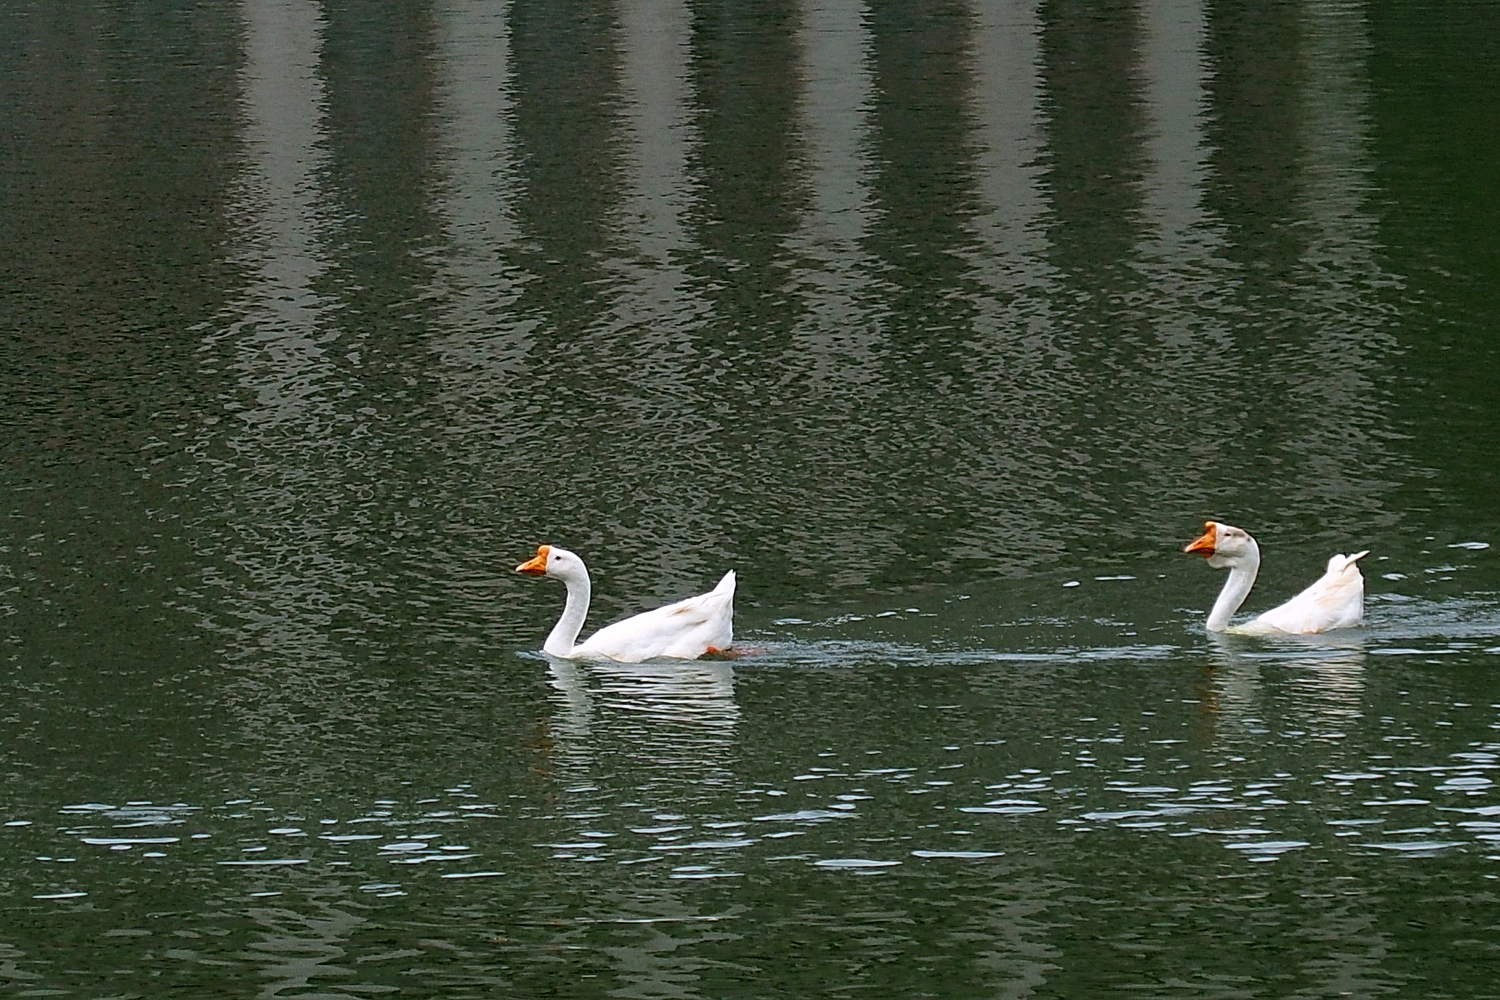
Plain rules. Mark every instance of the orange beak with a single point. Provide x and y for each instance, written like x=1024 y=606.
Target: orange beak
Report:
x=1205 y=542
x=537 y=564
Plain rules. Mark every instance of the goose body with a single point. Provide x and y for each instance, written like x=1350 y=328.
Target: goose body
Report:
x=1335 y=600
x=685 y=630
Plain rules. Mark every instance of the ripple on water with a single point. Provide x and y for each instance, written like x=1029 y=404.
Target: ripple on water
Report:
x=1418 y=848
x=701 y=873
x=1007 y=807
x=959 y=855
x=1266 y=850
x=1126 y=775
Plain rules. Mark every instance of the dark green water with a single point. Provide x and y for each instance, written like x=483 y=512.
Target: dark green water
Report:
x=944 y=325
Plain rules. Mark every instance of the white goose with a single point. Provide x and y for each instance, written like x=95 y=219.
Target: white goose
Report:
x=1335 y=600
x=685 y=630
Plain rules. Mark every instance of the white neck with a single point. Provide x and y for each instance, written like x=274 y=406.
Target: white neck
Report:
x=565 y=633
x=1241 y=578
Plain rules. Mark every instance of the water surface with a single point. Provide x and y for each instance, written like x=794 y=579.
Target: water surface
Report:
x=944 y=327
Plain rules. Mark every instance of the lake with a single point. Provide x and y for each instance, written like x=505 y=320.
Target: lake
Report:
x=946 y=326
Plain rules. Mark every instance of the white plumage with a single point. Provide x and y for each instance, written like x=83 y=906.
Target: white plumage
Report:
x=685 y=630
x=1335 y=600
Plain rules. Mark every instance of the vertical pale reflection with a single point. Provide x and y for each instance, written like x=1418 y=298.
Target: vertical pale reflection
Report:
x=654 y=37
x=652 y=327
x=1016 y=347
x=278 y=583
x=284 y=107
x=1338 y=276
x=1175 y=91
x=835 y=346
x=834 y=43
x=1336 y=161
x=473 y=115
x=483 y=349
x=654 y=309
x=1008 y=115
x=1179 y=242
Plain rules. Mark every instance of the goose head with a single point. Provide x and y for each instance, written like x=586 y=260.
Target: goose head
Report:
x=1225 y=546
x=553 y=561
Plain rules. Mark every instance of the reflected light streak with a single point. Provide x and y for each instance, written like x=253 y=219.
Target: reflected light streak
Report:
x=474 y=122
x=837 y=341
x=1175 y=92
x=838 y=89
x=654 y=37
x=652 y=326
x=655 y=305
x=267 y=552
x=482 y=349
x=1340 y=279
x=1008 y=113
x=1017 y=353
x=1180 y=243
x=296 y=948
x=285 y=134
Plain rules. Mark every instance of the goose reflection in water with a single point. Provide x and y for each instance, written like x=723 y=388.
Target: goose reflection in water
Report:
x=1324 y=680
x=664 y=714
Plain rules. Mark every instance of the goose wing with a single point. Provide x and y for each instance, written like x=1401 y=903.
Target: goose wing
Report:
x=684 y=630
x=1335 y=600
